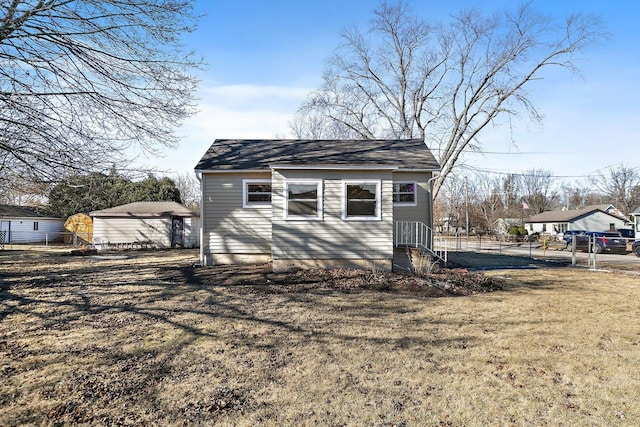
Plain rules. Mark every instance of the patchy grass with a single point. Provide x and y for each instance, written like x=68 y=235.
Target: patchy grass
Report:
x=150 y=340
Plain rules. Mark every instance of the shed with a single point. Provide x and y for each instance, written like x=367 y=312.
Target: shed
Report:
x=314 y=203
x=154 y=224
x=80 y=226
x=28 y=224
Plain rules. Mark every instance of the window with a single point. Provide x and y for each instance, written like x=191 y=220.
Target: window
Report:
x=303 y=200
x=35 y=225
x=256 y=193
x=404 y=193
x=612 y=227
x=361 y=200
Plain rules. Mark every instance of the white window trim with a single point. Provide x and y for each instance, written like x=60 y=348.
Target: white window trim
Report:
x=415 y=194
x=245 y=202
x=378 y=183
x=319 y=200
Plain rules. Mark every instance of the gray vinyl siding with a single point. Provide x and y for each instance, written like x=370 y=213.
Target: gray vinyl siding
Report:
x=332 y=237
x=228 y=228
x=130 y=230
x=422 y=211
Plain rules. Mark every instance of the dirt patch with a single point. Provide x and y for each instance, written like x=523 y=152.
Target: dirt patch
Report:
x=261 y=279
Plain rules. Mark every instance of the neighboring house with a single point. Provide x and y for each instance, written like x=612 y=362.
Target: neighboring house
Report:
x=26 y=224
x=612 y=210
x=156 y=224
x=590 y=218
x=314 y=203
x=502 y=226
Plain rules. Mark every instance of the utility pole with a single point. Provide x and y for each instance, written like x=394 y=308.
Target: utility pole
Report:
x=466 y=206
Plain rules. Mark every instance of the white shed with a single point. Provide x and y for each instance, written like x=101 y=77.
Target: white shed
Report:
x=153 y=224
x=27 y=224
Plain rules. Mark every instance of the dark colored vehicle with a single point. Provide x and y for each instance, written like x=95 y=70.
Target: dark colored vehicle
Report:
x=570 y=233
x=627 y=233
x=635 y=248
x=605 y=241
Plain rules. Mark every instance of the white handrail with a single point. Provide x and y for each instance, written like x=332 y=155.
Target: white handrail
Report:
x=419 y=235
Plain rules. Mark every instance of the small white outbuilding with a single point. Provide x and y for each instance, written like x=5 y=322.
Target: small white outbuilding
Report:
x=27 y=224
x=148 y=224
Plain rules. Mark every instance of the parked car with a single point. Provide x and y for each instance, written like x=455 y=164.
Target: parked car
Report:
x=627 y=233
x=570 y=233
x=635 y=248
x=606 y=241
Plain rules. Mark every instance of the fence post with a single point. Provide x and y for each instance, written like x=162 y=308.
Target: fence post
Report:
x=594 y=251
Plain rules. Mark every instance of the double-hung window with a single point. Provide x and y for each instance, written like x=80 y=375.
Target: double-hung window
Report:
x=303 y=199
x=361 y=200
x=256 y=193
x=404 y=193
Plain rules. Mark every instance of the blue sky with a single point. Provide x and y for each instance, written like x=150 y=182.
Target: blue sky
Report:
x=263 y=57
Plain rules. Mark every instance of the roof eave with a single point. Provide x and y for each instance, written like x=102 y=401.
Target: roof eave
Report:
x=317 y=167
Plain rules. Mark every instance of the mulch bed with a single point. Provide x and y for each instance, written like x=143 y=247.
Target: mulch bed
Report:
x=260 y=279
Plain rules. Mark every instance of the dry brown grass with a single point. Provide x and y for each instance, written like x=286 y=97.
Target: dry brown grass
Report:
x=150 y=340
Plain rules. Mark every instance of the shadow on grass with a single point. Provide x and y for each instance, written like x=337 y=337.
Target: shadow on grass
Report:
x=244 y=308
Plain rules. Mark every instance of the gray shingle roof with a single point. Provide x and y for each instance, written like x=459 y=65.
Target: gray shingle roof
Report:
x=145 y=209
x=10 y=211
x=261 y=154
x=568 y=215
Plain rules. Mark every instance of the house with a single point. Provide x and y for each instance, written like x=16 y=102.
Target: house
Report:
x=154 y=224
x=501 y=226
x=26 y=224
x=314 y=203
x=591 y=218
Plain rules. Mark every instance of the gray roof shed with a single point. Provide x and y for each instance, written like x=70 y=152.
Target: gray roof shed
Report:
x=145 y=209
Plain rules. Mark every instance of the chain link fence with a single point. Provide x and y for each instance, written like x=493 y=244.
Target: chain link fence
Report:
x=18 y=239
x=544 y=247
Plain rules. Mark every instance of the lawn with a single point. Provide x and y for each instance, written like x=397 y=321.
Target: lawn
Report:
x=146 y=338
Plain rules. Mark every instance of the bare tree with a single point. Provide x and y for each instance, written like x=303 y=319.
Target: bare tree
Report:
x=491 y=205
x=539 y=192
x=15 y=190
x=82 y=81
x=621 y=185
x=189 y=188
x=405 y=78
x=579 y=194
